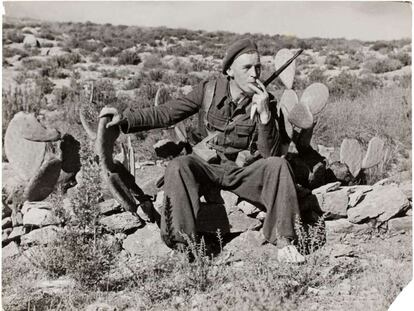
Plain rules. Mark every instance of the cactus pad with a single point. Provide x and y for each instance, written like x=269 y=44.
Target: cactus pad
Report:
x=288 y=74
x=351 y=154
x=315 y=97
x=288 y=100
x=24 y=156
x=374 y=154
x=43 y=183
x=120 y=182
x=32 y=130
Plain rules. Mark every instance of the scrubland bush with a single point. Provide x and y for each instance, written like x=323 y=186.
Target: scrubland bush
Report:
x=403 y=57
x=128 y=58
x=317 y=75
x=156 y=74
x=333 y=60
x=351 y=86
x=45 y=85
x=111 y=51
x=14 y=36
x=10 y=52
x=382 y=65
x=152 y=61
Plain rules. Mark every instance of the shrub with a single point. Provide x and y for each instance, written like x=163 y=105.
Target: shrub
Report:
x=317 y=75
x=351 y=86
x=110 y=51
x=156 y=74
x=45 y=85
x=404 y=58
x=14 y=36
x=382 y=65
x=152 y=61
x=128 y=58
x=333 y=60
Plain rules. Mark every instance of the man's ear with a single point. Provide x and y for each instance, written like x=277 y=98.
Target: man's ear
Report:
x=230 y=72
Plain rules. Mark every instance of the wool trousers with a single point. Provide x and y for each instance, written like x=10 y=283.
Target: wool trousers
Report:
x=267 y=183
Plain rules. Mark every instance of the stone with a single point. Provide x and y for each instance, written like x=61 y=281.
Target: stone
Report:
x=28 y=205
x=261 y=216
x=400 y=224
x=342 y=250
x=31 y=41
x=109 y=207
x=382 y=203
x=10 y=250
x=356 y=194
x=159 y=201
x=17 y=219
x=56 y=286
x=410 y=212
x=406 y=188
x=41 y=236
x=247 y=208
x=146 y=242
x=122 y=222
x=239 y=222
x=6 y=223
x=211 y=217
x=335 y=229
x=245 y=242
x=10 y=180
x=6 y=211
x=333 y=204
x=37 y=217
x=230 y=199
x=328 y=187
x=5 y=235
x=16 y=233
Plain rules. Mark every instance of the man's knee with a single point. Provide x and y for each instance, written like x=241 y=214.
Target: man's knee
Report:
x=178 y=164
x=276 y=162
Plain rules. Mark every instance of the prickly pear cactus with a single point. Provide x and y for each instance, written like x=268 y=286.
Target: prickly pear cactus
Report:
x=287 y=76
x=315 y=97
x=25 y=156
x=374 y=154
x=351 y=154
x=120 y=182
x=44 y=181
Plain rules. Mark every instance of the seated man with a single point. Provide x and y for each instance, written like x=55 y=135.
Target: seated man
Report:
x=238 y=115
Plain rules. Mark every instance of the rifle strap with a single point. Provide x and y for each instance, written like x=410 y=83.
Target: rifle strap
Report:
x=209 y=90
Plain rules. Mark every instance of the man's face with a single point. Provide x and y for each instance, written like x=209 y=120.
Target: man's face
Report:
x=244 y=70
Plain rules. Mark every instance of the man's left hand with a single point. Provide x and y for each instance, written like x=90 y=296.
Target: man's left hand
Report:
x=260 y=101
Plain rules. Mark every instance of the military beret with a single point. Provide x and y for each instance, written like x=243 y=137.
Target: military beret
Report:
x=236 y=49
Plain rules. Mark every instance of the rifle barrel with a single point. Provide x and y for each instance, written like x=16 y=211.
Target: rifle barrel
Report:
x=282 y=68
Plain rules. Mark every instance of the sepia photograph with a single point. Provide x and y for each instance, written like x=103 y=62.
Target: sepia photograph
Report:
x=207 y=155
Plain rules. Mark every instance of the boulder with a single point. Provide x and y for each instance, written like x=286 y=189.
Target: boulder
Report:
x=230 y=200
x=122 y=222
x=28 y=205
x=406 y=188
x=41 y=236
x=10 y=179
x=333 y=204
x=328 y=187
x=335 y=229
x=16 y=233
x=239 y=222
x=382 y=203
x=246 y=241
x=247 y=208
x=146 y=242
x=6 y=223
x=356 y=194
x=109 y=207
x=38 y=217
x=10 y=250
x=17 y=219
x=31 y=41
x=400 y=224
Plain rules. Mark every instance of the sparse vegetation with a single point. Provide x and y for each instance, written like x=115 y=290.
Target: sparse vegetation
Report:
x=127 y=65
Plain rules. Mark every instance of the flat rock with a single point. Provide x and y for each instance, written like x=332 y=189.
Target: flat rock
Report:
x=122 y=222
x=239 y=222
x=335 y=229
x=342 y=250
x=334 y=204
x=6 y=223
x=16 y=233
x=400 y=224
x=146 y=242
x=246 y=241
x=38 y=217
x=5 y=234
x=382 y=203
x=159 y=201
x=230 y=200
x=356 y=194
x=328 y=187
x=41 y=236
x=247 y=208
x=28 y=205
x=10 y=180
x=109 y=207
x=17 y=219
x=56 y=286
x=10 y=250
x=406 y=188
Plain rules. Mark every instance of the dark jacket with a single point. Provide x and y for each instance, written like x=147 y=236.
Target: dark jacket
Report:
x=244 y=134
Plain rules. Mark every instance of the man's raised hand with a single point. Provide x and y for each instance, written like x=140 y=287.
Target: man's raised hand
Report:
x=260 y=101
x=111 y=112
